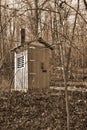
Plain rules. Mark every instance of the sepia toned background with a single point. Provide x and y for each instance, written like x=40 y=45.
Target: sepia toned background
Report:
x=52 y=94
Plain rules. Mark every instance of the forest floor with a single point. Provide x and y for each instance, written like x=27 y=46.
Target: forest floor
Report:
x=42 y=109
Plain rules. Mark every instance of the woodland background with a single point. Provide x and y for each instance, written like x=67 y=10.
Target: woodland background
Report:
x=56 y=21
x=63 y=24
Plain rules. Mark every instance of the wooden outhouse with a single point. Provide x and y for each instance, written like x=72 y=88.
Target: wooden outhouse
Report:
x=32 y=65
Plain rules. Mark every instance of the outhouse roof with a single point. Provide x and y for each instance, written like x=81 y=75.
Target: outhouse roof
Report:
x=40 y=40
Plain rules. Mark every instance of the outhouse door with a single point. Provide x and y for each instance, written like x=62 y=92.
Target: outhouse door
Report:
x=38 y=67
x=21 y=71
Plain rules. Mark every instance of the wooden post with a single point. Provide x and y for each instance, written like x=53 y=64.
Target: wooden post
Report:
x=22 y=36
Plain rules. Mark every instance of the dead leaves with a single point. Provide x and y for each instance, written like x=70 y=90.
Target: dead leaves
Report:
x=42 y=110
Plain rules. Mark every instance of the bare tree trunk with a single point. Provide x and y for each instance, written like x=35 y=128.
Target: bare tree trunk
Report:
x=0 y=32
x=85 y=3
x=36 y=18
x=70 y=48
x=66 y=88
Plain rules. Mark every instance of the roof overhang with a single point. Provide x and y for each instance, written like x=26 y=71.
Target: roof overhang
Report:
x=40 y=40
